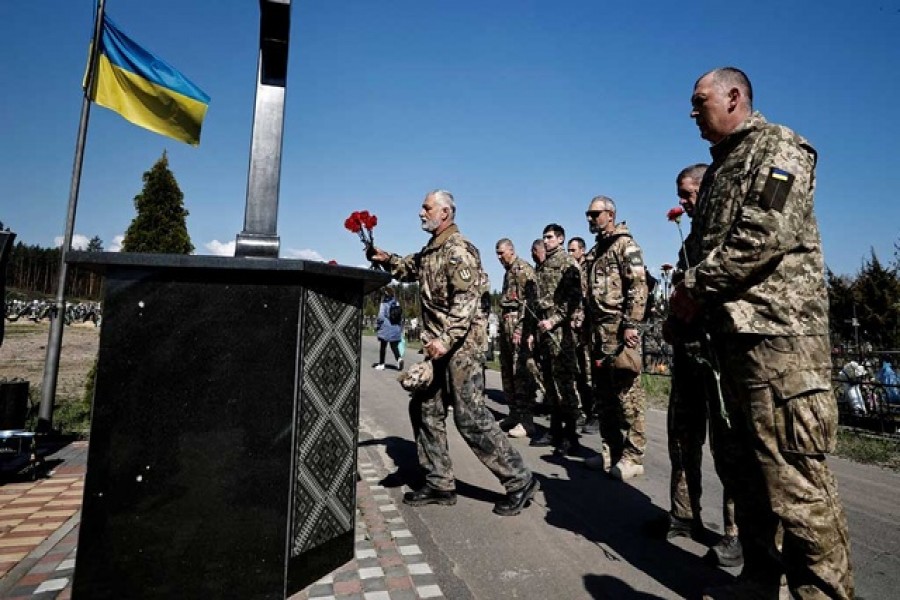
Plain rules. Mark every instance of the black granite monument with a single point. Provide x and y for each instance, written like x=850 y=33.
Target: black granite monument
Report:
x=222 y=458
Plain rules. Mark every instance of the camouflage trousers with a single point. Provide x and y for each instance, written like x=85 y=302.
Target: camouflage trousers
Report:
x=686 y=428
x=458 y=383
x=619 y=404
x=619 y=398
x=583 y=383
x=519 y=385
x=559 y=367
x=536 y=375
x=783 y=417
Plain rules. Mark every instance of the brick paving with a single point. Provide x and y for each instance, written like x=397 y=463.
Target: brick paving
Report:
x=39 y=537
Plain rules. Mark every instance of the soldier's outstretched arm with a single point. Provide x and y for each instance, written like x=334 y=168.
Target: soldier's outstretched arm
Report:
x=401 y=268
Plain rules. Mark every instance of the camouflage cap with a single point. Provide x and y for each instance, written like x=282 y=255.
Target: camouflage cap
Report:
x=417 y=376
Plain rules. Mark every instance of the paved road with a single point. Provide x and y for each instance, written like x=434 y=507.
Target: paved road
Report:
x=586 y=536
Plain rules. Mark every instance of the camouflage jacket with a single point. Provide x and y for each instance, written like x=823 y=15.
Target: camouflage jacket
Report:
x=617 y=279
x=754 y=251
x=451 y=282
x=558 y=291
x=518 y=287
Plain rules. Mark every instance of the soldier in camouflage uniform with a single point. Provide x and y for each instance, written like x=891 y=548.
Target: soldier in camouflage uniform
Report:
x=454 y=330
x=617 y=298
x=518 y=383
x=549 y=326
x=759 y=291
x=578 y=250
x=693 y=388
x=538 y=254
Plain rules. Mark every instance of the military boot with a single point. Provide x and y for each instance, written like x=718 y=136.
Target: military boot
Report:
x=569 y=444
x=728 y=552
x=552 y=437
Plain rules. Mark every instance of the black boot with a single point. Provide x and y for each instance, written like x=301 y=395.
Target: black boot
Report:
x=516 y=501
x=569 y=444
x=552 y=437
x=429 y=495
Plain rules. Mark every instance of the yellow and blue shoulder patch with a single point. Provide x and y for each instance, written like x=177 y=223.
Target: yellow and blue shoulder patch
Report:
x=776 y=189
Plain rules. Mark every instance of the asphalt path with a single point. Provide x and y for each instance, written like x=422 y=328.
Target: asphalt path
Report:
x=586 y=535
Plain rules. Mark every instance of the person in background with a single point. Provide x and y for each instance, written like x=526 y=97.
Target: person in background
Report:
x=388 y=331
x=538 y=252
x=693 y=402
x=548 y=327
x=577 y=249
x=518 y=382
x=617 y=298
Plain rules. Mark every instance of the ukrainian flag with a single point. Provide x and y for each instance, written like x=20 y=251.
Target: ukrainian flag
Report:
x=145 y=89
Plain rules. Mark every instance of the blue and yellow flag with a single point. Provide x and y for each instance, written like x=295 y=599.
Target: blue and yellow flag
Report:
x=145 y=89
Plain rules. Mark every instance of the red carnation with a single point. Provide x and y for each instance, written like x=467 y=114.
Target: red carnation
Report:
x=353 y=222
x=674 y=214
x=361 y=223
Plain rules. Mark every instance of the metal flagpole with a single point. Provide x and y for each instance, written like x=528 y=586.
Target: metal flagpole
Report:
x=57 y=318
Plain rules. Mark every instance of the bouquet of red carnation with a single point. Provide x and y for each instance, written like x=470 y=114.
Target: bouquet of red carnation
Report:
x=362 y=223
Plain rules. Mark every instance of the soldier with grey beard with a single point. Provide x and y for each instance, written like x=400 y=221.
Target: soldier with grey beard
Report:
x=454 y=332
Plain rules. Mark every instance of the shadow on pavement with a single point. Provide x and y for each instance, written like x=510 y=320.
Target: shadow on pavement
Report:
x=403 y=453
x=618 y=518
x=606 y=586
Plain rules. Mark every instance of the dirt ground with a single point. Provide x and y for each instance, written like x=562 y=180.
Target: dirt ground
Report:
x=23 y=353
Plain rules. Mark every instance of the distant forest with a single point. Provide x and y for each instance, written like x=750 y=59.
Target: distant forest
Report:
x=34 y=270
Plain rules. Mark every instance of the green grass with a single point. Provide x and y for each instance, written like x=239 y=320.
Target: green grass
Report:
x=868 y=449
x=657 y=388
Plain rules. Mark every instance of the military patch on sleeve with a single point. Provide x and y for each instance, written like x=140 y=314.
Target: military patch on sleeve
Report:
x=635 y=259
x=776 y=190
x=463 y=277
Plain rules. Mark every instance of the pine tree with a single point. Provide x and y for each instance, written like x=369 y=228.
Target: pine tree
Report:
x=95 y=244
x=876 y=291
x=160 y=225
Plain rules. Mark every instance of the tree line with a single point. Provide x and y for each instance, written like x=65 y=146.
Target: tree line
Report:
x=159 y=226
x=34 y=270
x=865 y=309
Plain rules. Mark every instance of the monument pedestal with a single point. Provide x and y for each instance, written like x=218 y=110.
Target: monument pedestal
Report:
x=222 y=458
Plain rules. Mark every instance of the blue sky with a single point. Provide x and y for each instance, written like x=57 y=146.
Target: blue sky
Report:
x=523 y=109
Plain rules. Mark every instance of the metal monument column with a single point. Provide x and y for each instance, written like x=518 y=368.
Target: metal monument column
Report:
x=259 y=237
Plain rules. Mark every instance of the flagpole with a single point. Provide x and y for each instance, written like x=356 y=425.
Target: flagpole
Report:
x=57 y=318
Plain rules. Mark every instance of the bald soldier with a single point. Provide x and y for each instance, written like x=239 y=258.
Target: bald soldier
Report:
x=756 y=284
x=518 y=383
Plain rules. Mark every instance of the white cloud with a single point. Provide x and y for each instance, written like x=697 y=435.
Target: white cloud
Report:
x=218 y=248
x=305 y=254
x=116 y=245
x=79 y=241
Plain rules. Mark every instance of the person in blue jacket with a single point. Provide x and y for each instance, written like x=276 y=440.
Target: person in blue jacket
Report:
x=389 y=328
